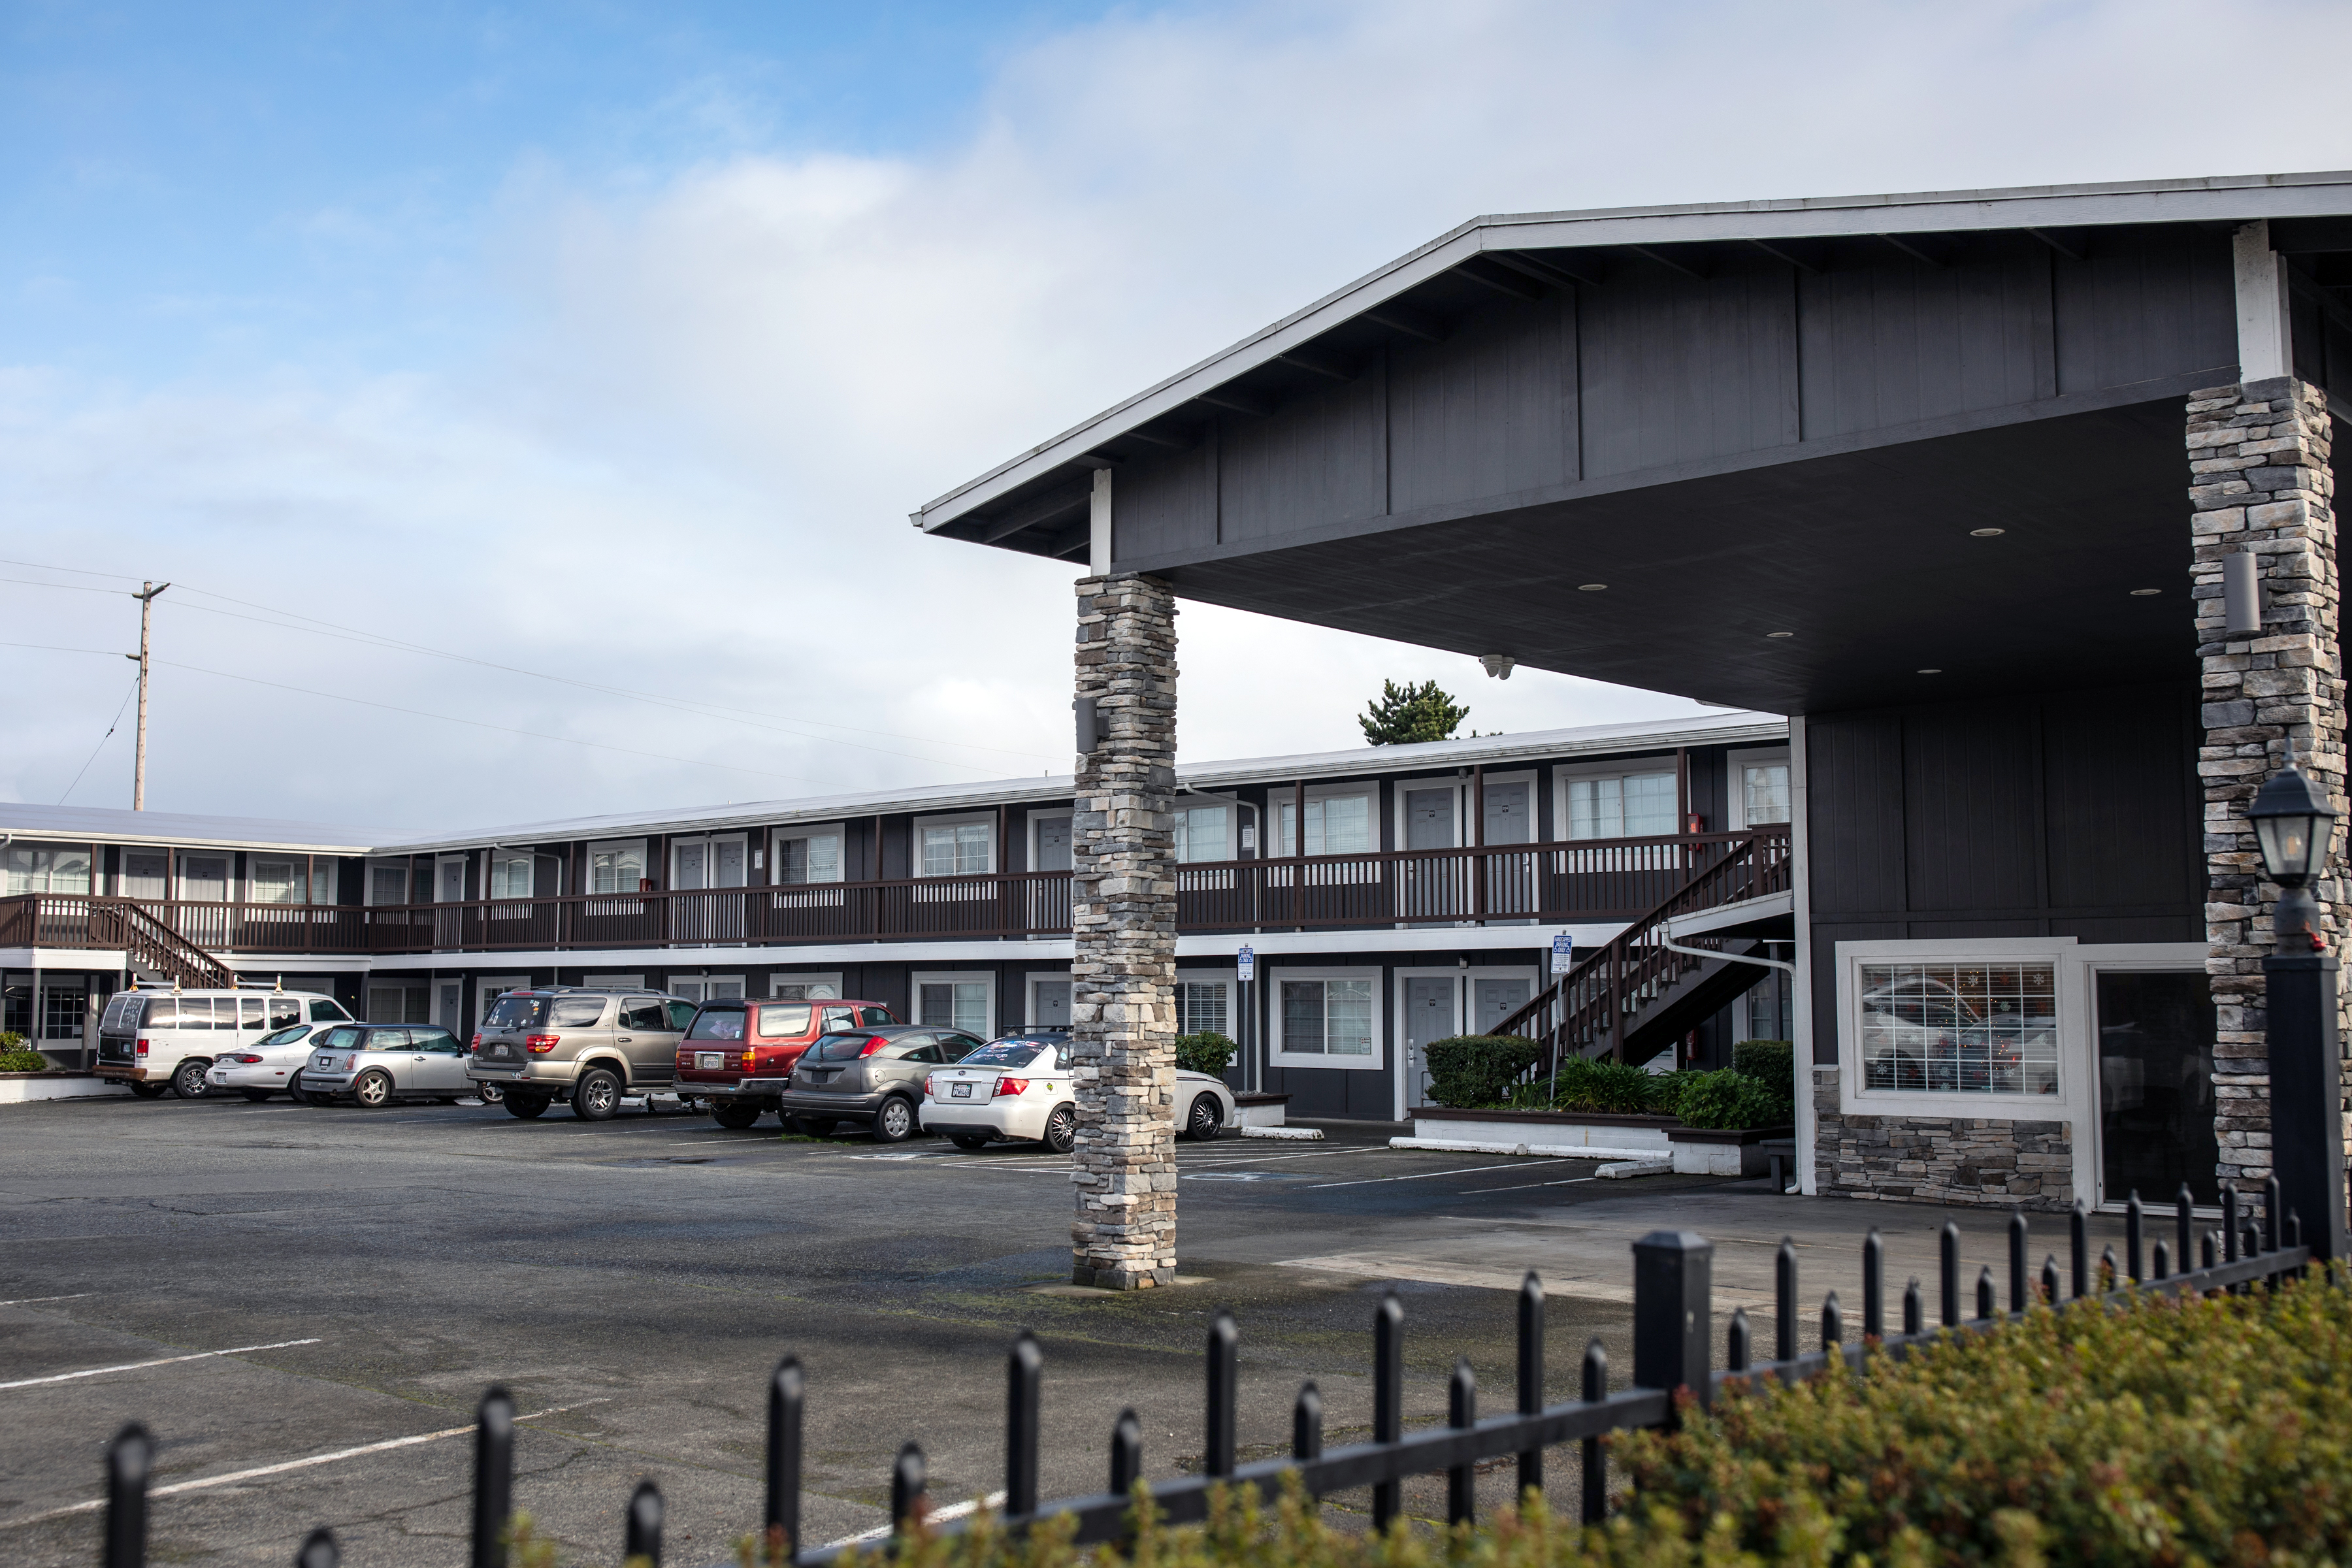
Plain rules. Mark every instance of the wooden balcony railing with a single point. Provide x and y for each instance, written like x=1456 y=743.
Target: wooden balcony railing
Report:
x=1584 y=881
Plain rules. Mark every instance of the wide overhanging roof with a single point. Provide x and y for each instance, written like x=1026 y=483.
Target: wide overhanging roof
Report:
x=1766 y=437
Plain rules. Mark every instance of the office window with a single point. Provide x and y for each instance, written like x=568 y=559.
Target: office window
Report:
x=63 y=871
x=1627 y=806
x=815 y=857
x=509 y=874
x=1960 y=1027
x=1336 y=825
x=616 y=868
x=1327 y=1017
x=956 y=850
x=1203 y=1006
x=1204 y=833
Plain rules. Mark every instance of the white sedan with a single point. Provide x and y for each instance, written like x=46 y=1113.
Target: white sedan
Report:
x=1020 y=1087
x=271 y=1064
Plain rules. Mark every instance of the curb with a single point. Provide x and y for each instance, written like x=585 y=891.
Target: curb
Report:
x=1547 y=1151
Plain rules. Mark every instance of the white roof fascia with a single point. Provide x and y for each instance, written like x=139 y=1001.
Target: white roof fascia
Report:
x=2239 y=198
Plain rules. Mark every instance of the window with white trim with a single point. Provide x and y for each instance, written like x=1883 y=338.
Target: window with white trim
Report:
x=1204 y=832
x=956 y=847
x=1328 y=1017
x=616 y=866
x=955 y=1001
x=1959 y=1026
x=387 y=882
x=510 y=874
x=274 y=881
x=60 y=870
x=1621 y=806
x=1204 y=1006
x=805 y=855
x=1760 y=795
x=804 y=988
x=1336 y=825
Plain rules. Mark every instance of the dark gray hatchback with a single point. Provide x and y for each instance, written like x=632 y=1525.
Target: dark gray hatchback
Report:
x=872 y=1077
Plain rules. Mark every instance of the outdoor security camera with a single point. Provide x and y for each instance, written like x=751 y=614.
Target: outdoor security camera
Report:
x=1499 y=665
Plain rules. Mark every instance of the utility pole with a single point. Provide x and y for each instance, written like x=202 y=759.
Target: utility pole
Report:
x=146 y=597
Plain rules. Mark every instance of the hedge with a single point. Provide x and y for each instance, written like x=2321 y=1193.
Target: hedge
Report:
x=1617 y=1089
x=1726 y=1098
x=1469 y=1072
x=1774 y=1061
x=2211 y=1431
x=23 y=1061
x=1205 y=1051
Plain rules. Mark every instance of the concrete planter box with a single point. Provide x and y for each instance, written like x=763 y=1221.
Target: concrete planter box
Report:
x=1724 y=1150
x=1260 y=1110
x=1597 y=1134
x=18 y=1088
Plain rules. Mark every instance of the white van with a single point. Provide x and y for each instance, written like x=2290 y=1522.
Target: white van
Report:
x=154 y=1039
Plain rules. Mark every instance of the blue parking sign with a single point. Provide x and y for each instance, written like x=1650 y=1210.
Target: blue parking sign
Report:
x=1563 y=952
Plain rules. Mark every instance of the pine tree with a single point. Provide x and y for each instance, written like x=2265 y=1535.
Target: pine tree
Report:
x=1403 y=714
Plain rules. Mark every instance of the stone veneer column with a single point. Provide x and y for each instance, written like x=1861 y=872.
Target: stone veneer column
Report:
x=2258 y=456
x=1123 y=913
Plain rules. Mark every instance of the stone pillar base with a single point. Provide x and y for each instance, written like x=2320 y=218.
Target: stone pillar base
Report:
x=1121 y=1278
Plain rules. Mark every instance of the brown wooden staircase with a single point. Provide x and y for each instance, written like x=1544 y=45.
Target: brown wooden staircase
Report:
x=153 y=945
x=1630 y=996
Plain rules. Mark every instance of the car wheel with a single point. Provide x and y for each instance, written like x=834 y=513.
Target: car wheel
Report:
x=374 y=1089
x=1207 y=1120
x=813 y=1126
x=597 y=1096
x=490 y=1093
x=894 y=1122
x=968 y=1139
x=294 y=1090
x=255 y=1095
x=148 y=1091
x=737 y=1117
x=188 y=1080
x=1062 y=1129
x=525 y=1105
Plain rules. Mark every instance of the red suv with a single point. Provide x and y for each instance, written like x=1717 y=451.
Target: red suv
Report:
x=732 y=1039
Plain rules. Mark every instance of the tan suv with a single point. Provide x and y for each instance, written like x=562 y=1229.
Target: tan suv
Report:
x=591 y=1047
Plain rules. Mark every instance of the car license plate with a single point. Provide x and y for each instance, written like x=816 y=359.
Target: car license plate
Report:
x=709 y=1061
x=323 y=1062
x=959 y=1092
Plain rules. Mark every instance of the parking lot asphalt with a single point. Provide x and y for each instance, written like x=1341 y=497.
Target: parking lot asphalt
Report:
x=304 y=1305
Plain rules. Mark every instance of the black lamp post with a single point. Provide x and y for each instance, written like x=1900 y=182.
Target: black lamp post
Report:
x=2293 y=823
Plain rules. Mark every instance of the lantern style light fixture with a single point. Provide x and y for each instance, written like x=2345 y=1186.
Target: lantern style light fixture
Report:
x=2293 y=822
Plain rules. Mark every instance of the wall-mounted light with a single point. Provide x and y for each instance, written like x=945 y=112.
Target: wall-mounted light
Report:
x=2241 y=593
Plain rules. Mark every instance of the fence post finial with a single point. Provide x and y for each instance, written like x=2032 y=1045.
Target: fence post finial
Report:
x=1673 y=1312
x=318 y=1550
x=128 y=1460
x=642 y=1536
x=1025 y=1372
x=494 y=1428
x=1531 y=1373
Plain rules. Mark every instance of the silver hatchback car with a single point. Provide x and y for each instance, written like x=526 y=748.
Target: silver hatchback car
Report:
x=376 y=1064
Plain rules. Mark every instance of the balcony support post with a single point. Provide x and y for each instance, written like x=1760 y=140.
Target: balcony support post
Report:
x=1123 y=919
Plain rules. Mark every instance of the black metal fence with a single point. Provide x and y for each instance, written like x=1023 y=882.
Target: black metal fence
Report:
x=1672 y=1334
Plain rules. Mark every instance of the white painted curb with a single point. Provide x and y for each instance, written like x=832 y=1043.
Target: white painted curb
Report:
x=1625 y=1168
x=1547 y=1151
x=1309 y=1133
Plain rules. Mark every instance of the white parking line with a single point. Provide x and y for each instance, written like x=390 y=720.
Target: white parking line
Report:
x=1522 y=1186
x=28 y=1300
x=1465 y=1171
x=953 y=1510
x=164 y=1360
x=260 y=1470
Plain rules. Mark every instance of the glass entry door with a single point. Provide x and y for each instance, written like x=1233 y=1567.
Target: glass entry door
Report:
x=2155 y=1086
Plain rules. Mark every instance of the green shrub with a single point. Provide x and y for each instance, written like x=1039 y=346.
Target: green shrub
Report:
x=23 y=1061
x=1724 y=1098
x=10 y=1041
x=1206 y=1051
x=1773 y=1061
x=1471 y=1072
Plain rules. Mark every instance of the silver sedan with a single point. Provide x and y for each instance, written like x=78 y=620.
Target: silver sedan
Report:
x=271 y=1064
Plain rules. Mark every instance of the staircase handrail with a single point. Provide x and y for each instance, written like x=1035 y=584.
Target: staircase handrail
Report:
x=1593 y=992
x=154 y=944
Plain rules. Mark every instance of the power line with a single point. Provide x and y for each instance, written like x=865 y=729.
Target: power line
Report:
x=688 y=704
x=115 y=725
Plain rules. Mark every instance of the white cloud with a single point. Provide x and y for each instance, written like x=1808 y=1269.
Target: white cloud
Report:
x=684 y=465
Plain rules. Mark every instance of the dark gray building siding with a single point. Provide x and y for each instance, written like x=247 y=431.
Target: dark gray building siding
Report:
x=2068 y=814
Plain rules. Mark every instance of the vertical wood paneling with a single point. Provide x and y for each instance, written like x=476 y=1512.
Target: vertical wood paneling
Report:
x=2164 y=303
x=1854 y=768
x=2123 y=820
x=1971 y=807
x=1167 y=504
x=1897 y=342
x=1314 y=460
x=1679 y=369
x=1481 y=414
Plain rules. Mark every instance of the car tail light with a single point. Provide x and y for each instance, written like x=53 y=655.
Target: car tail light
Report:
x=247 y=1059
x=928 y=1092
x=874 y=1045
x=1012 y=1086
x=478 y=1042
x=143 y=1048
x=539 y=1045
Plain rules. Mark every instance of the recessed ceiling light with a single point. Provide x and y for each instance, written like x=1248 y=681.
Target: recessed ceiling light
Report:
x=1780 y=634
x=1590 y=588
x=1987 y=533
x=1931 y=672
x=2144 y=592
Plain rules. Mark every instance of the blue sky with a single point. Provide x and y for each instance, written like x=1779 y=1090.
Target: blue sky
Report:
x=530 y=397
